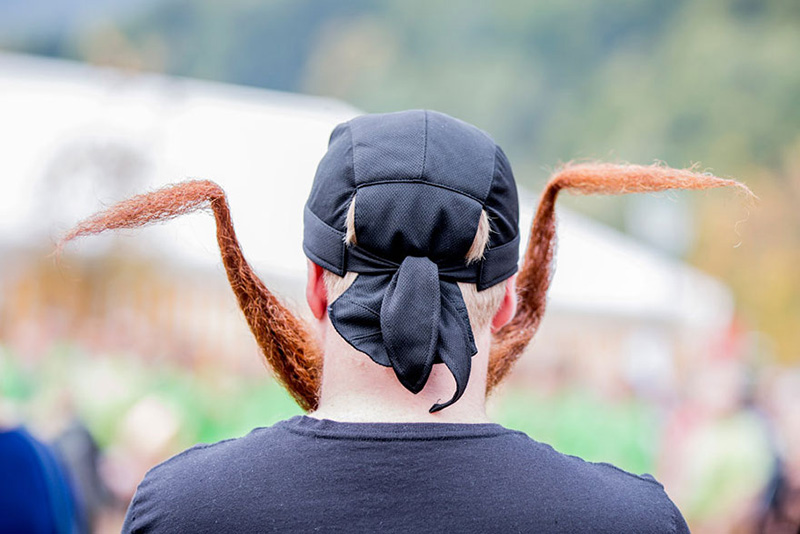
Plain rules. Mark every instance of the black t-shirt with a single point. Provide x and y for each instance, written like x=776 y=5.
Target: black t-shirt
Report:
x=309 y=475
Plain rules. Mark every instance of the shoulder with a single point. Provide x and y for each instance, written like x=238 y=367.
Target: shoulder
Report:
x=599 y=494
x=172 y=492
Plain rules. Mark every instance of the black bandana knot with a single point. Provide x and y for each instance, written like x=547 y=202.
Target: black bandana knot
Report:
x=409 y=320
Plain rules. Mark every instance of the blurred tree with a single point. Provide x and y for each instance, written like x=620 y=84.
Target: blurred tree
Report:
x=761 y=260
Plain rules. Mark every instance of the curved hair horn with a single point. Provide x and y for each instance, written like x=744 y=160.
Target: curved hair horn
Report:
x=283 y=338
x=536 y=273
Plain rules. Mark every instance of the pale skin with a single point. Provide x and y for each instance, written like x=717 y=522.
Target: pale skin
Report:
x=355 y=389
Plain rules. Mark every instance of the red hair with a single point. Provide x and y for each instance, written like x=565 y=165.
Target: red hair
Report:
x=285 y=340
x=535 y=274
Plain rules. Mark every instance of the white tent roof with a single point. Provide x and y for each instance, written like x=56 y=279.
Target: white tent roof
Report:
x=263 y=147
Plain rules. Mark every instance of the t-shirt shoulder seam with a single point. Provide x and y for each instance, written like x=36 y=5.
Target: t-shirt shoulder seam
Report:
x=651 y=481
x=189 y=451
x=678 y=521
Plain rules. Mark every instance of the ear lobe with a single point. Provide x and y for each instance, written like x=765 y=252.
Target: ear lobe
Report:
x=507 y=308
x=316 y=293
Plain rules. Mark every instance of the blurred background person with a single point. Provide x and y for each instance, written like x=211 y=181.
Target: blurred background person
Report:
x=37 y=494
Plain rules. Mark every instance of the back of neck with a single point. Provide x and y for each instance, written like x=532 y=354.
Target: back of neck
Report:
x=356 y=389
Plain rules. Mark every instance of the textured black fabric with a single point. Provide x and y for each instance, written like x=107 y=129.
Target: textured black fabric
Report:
x=420 y=180
x=374 y=308
x=306 y=475
x=499 y=262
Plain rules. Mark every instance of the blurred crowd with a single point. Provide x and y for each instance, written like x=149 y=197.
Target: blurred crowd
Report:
x=726 y=445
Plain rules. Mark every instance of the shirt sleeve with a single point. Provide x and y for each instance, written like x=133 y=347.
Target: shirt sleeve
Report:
x=145 y=513
x=679 y=523
x=129 y=526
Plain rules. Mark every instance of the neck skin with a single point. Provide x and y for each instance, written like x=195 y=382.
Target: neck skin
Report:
x=356 y=389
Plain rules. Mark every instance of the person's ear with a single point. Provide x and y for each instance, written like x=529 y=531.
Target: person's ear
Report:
x=507 y=308
x=316 y=294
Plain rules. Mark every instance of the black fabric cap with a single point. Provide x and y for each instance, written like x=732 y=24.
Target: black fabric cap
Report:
x=420 y=180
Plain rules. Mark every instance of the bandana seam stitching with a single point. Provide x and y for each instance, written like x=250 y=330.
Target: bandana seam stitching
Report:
x=418 y=181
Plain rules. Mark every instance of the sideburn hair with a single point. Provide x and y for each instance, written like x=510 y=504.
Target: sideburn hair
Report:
x=285 y=340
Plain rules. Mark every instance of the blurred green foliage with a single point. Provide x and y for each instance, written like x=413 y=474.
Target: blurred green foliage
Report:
x=573 y=421
x=211 y=405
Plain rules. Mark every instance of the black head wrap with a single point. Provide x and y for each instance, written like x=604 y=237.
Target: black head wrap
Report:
x=421 y=179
